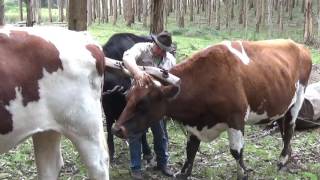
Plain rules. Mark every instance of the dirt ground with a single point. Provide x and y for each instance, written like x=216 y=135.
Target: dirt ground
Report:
x=315 y=73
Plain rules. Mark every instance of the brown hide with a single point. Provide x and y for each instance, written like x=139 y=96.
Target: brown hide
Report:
x=22 y=60
x=216 y=84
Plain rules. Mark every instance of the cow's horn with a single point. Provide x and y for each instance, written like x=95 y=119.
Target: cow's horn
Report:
x=161 y=74
x=157 y=72
x=116 y=64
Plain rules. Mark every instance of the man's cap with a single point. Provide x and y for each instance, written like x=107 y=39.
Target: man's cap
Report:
x=163 y=40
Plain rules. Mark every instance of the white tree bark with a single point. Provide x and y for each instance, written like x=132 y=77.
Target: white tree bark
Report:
x=318 y=20
x=270 y=7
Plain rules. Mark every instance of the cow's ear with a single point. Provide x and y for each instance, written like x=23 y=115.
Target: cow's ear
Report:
x=170 y=91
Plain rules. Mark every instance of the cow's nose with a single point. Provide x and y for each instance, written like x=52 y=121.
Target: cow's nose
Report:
x=119 y=132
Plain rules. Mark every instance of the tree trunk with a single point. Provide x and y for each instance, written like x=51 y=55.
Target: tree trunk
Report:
x=139 y=10
x=202 y=5
x=241 y=11
x=128 y=12
x=177 y=8
x=290 y=8
x=250 y=3
x=303 y=6
x=156 y=17
x=1 y=12
x=104 y=6
x=29 y=22
x=198 y=6
x=61 y=13
x=281 y=2
x=181 y=14
x=35 y=10
x=115 y=12
x=263 y=12
x=318 y=20
x=218 y=14
x=245 y=17
x=308 y=29
x=38 y=12
x=93 y=10
x=111 y=7
x=120 y=8
x=97 y=10
x=49 y=9
x=145 y=12
x=89 y=12
x=66 y=6
x=232 y=10
x=227 y=7
x=77 y=15
x=20 y=9
x=270 y=17
x=191 y=10
x=258 y=16
x=209 y=12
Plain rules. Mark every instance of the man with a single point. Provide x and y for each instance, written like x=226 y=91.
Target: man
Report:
x=155 y=54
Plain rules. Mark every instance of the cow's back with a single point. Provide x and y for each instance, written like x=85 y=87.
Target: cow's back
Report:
x=50 y=78
x=119 y=43
x=236 y=75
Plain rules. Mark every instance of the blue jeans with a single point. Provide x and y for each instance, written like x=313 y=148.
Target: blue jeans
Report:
x=160 y=144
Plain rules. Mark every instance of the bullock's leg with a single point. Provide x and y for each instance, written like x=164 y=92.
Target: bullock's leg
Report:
x=47 y=154
x=286 y=133
x=287 y=126
x=89 y=139
x=110 y=139
x=91 y=145
x=192 y=148
x=236 y=142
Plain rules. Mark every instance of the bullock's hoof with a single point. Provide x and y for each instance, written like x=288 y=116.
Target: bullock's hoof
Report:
x=112 y=160
x=181 y=176
x=282 y=167
x=245 y=177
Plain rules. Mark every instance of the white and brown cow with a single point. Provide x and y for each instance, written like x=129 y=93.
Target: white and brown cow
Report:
x=223 y=87
x=51 y=81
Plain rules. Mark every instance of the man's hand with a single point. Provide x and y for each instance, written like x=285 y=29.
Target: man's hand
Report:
x=143 y=79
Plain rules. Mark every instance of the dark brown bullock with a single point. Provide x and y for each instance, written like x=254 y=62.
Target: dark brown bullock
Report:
x=223 y=87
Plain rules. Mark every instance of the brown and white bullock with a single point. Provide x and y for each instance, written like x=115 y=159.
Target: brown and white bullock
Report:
x=223 y=87
x=51 y=81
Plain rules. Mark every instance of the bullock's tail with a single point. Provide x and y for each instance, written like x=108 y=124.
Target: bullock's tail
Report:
x=305 y=65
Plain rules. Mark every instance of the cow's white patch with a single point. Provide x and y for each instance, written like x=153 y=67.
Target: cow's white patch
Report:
x=241 y=55
x=298 y=102
x=69 y=102
x=208 y=135
x=284 y=159
x=236 y=140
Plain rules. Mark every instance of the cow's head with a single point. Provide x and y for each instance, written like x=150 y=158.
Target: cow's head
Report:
x=145 y=105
